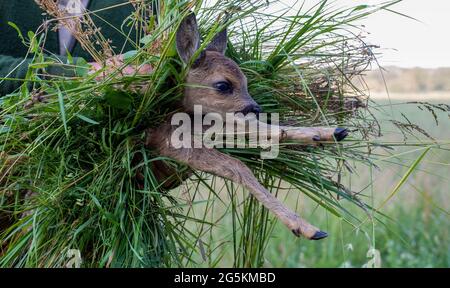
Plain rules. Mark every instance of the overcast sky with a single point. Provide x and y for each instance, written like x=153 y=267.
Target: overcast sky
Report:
x=425 y=44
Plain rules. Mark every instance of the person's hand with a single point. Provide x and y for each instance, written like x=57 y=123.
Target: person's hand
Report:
x=116 y=62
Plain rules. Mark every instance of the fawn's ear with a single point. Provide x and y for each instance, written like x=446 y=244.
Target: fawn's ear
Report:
x=187 y=38
x=219 y=42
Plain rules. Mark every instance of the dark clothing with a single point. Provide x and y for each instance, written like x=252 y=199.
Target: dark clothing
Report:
x=28 y=16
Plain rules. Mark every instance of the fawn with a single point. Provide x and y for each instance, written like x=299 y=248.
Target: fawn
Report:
x=217 y=84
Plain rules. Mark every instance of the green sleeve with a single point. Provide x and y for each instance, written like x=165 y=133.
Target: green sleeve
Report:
x=11 y=67
x=16 y=68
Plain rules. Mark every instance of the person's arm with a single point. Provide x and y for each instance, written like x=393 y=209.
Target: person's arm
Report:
x=11 y=67
x=16 y=68
x=19 y=68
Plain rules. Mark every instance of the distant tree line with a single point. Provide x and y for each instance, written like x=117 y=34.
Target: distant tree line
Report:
x=409 y=80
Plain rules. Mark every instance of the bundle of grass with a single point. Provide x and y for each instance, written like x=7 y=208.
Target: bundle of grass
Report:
x=71 y=147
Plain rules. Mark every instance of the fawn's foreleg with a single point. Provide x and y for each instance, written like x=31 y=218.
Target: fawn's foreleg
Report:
x=311 y=135
x=301 y=135
x=220 y=164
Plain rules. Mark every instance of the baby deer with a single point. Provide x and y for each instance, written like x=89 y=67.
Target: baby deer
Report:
x=217 y=84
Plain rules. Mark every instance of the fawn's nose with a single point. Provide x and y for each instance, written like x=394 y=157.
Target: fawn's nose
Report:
x=253 y=108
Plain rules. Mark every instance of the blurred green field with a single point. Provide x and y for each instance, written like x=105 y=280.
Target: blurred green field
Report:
x=415 y=231
x=417 y=235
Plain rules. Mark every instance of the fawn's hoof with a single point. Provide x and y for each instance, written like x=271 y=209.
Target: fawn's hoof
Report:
x=340 y=134
x=319 y=235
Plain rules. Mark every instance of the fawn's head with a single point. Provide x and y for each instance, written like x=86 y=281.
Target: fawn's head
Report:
x=213 y=81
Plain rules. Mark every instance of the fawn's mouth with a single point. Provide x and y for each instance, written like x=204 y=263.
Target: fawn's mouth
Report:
x=255 y=109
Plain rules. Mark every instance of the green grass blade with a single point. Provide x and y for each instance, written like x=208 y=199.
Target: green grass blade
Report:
x=404 y=178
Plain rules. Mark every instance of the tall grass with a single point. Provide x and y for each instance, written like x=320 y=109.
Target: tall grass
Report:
x=416 y=234
x=68 y=170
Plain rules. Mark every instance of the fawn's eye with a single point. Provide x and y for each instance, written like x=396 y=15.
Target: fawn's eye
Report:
x=223 y=87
